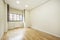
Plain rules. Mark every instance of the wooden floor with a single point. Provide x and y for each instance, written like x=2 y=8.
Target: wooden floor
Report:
x=28 y=34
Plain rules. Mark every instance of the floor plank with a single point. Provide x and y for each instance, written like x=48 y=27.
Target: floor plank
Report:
x=28 y=34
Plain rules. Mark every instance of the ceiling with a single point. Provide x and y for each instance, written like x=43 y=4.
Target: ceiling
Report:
x=24 y=4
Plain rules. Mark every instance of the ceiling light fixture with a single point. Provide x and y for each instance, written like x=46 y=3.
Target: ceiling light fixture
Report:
x=26 y=6
x=17 y=2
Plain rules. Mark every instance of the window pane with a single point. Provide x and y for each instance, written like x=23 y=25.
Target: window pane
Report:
x=10 y=16
x=17 y=17
x=20 y=17
x=14 y=17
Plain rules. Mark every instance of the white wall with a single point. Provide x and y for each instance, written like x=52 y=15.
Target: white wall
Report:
x=27 y=18
x=2 y=19
x=12 y=25
x=46 y=17
x=15 y=24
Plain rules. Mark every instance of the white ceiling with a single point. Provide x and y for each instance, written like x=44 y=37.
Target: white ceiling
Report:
x=31 y=3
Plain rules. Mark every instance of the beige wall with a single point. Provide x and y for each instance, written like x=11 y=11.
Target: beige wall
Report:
x=27 y=18
x=15 y=24
x=12 y=25
x=5 y=15
x=2 y=18
x=46 y=17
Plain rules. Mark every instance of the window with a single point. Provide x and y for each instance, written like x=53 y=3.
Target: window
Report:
x=15 y=17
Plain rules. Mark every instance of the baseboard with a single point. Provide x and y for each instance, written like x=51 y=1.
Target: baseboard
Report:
x=47 y=32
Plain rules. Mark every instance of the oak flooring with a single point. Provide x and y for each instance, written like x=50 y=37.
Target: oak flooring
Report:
x=28 y=34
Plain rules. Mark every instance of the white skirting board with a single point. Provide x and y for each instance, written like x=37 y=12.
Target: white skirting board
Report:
x=46 y=32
